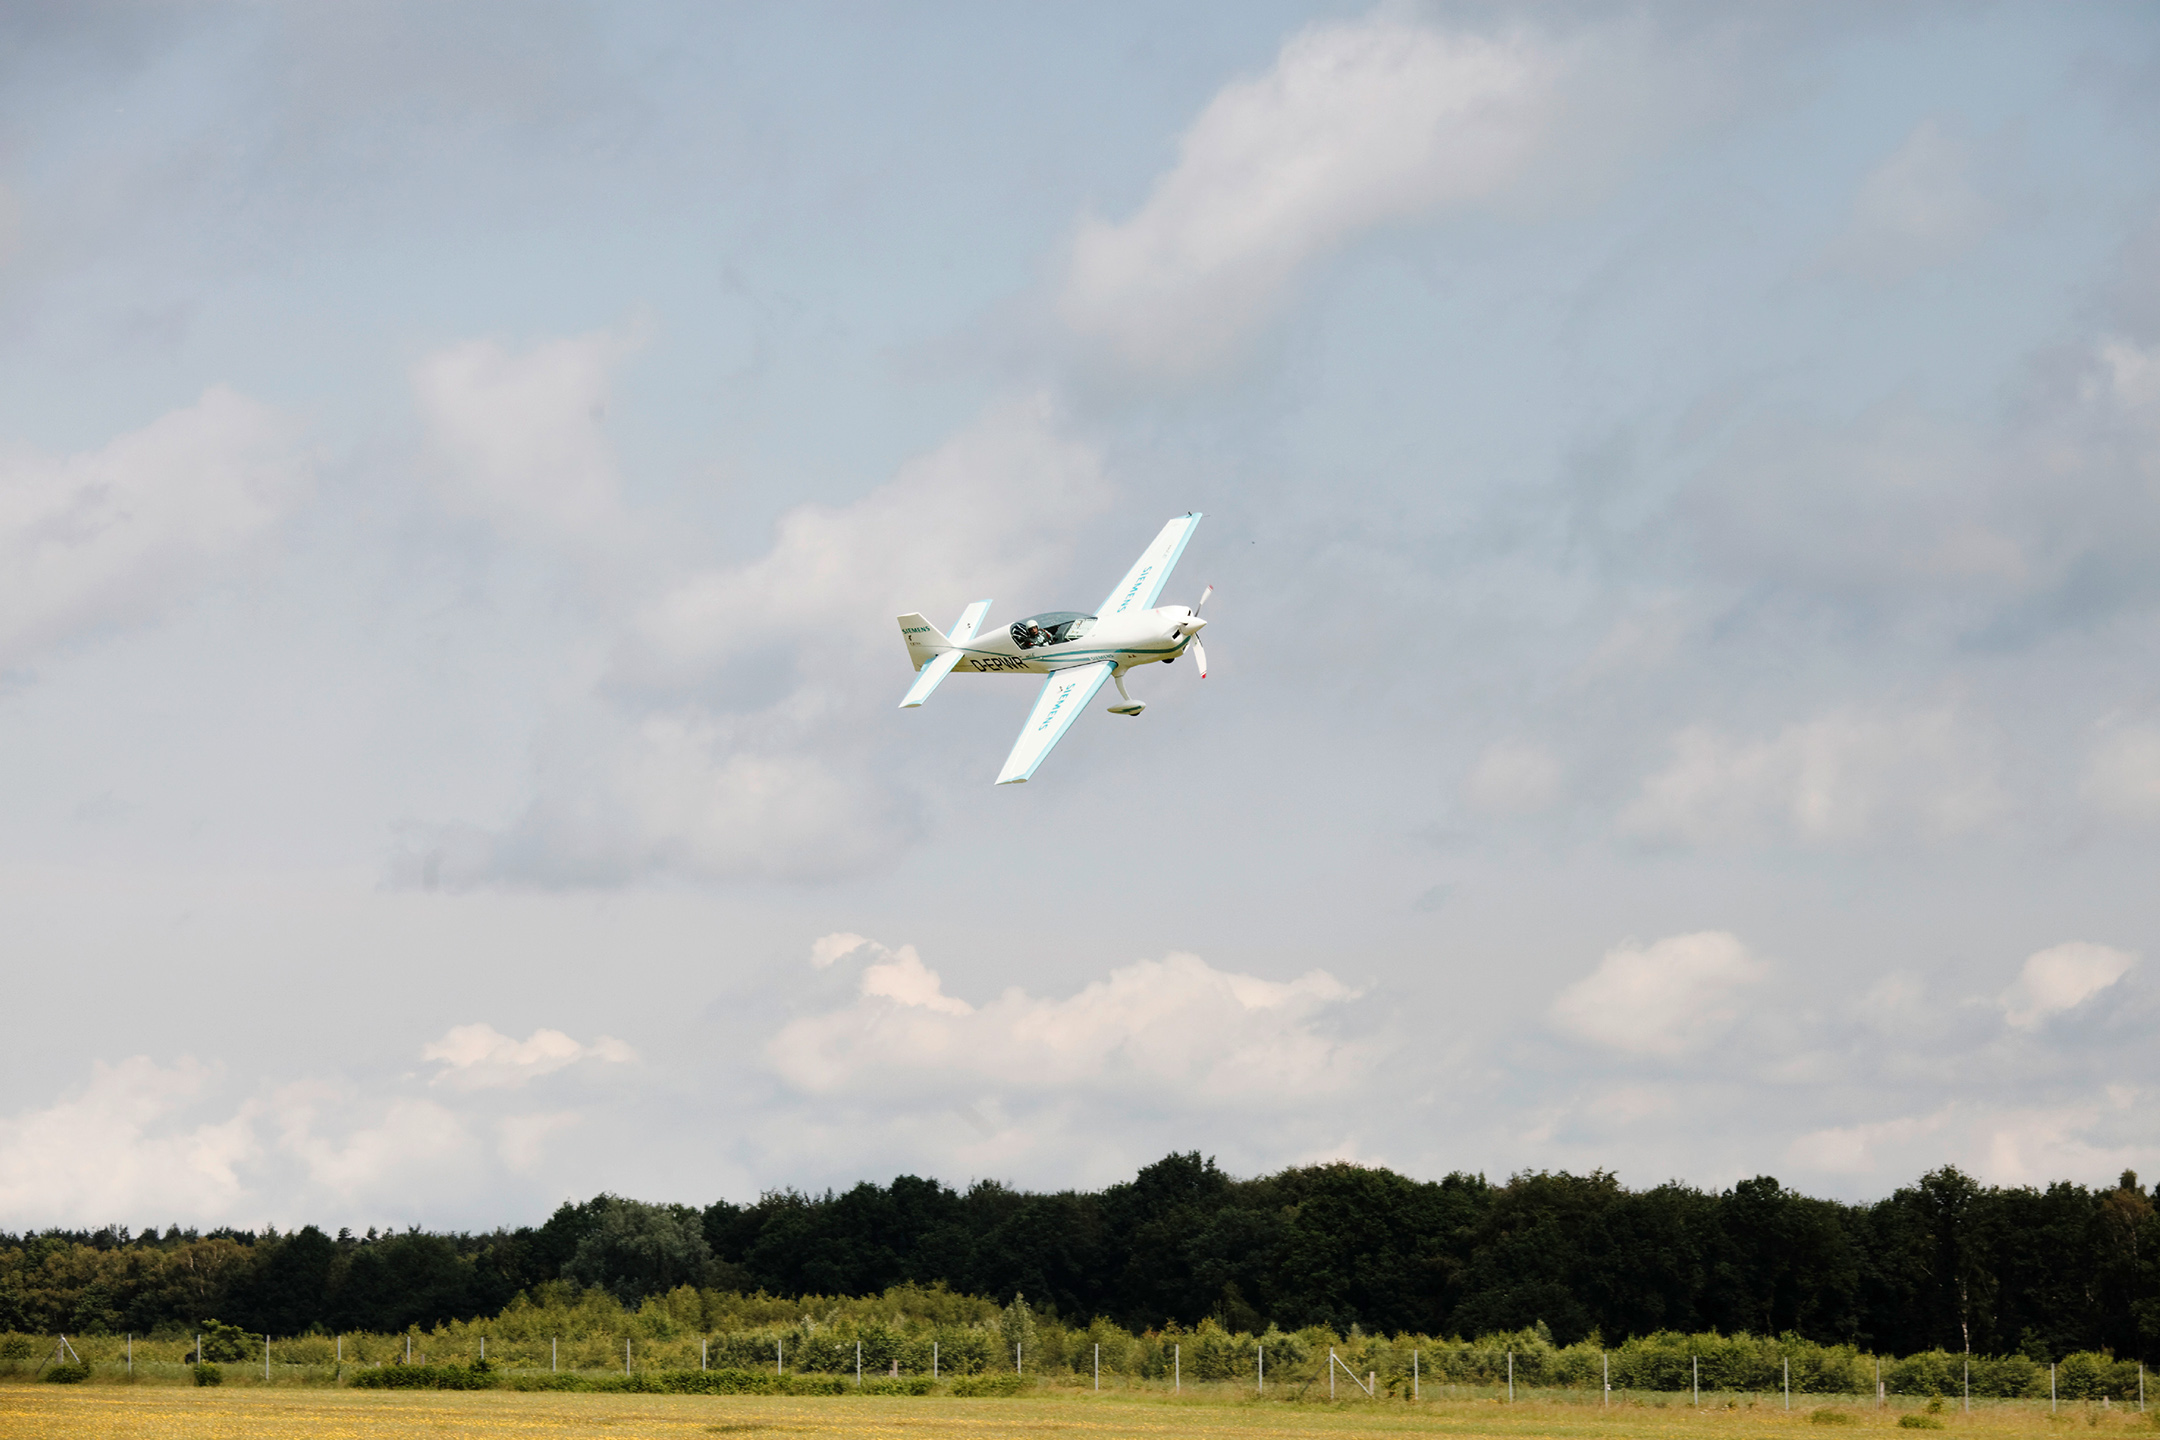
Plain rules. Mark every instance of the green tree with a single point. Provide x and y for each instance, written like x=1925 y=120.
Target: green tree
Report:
x=638 y=1250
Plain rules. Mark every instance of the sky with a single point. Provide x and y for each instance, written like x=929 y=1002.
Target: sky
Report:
x=1682 y=485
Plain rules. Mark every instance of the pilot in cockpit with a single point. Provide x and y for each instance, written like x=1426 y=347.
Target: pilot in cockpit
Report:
x=1027 y=634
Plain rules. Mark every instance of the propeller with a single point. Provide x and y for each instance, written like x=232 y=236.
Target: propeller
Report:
x=1199 y=651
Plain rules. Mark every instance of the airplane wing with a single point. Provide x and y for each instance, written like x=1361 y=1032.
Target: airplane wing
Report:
x=1142 y=583
x=1064 y=695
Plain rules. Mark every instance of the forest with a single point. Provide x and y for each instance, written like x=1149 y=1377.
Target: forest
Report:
x=1942 y=1264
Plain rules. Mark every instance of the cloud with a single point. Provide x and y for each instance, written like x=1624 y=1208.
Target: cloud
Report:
x=1514 y=777
x=2003 y=1144
x=110 y=536
x=2122 y=772
x=1843 y=778
x=1665 y=1000
x=1358 y=123
x=826 y=950
x=479 y=1057
x=734 y=733
x=112 y=1150
x=1919 y=207
x=963 y=521
x=519 y=438
x=404 y=1141
x=1212 y=1037
x=2060 y=978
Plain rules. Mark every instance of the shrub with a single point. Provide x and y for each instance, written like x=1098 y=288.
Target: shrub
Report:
x=1919 y=1422
x=1824 y=1415
x=424 y=1377
x=993 y=1384
x=897 y=1385
x=69 y=1372
x=220 y=1341
x=208 y=1374
x=16 y=1347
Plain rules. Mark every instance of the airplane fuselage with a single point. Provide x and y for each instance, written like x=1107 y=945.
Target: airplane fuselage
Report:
x=1141 y=638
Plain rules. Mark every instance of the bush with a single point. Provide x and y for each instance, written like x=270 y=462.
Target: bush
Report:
x=220 y=1341
x=208 y=1374
x=424 y=1377
x=16 y=1347
x=1919 y=1422
x=897 y=1385
x=1824 y=1415
x=70 y=1372
x=996 y=1384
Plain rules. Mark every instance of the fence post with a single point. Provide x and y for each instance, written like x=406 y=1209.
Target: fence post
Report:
x=1177 y=1366
x=131 y=1366
x=1695 y=1361
x=551 y=1355
x=858 y=1364
x=1968 y=1386
x=1331 y=1372
x=1017 y=1370
x=408 y=1347
x=779 y=1351
x=701 y=1356
x=2051 y=1387
x=1511 y=1377
x=483 y=1348
x=1880 y=1399
x=1415 y=1392
x=1098 y=1365
x=1605 y=1358
x=933 y=1358
x=626 y=1357
x=1260 y=1376
x=1788 y=1381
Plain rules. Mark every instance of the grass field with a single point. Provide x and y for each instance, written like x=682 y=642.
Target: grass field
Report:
x=50 y=1412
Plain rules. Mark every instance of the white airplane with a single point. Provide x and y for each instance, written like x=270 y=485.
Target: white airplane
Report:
x=1078 y=652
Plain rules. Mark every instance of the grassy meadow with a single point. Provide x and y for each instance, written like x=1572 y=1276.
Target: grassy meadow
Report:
x=1213 y=1412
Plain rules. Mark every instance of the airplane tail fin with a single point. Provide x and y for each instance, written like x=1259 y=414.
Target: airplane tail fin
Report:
x=925 y=642
x=933 y=652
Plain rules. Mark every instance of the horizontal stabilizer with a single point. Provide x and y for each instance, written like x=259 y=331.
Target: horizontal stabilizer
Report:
x=933 y=675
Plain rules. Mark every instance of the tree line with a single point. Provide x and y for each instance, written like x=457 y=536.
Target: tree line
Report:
x=1942 y=1264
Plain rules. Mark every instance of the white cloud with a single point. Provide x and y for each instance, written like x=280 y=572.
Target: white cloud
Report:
x=1211 y=1036
x=962 y=522
x=2002 y=1144
x=679 y=763
x=479 y=1057
x=2061 y=977
x=1357 y=123
x=112 y=1150
x=111 y=535
x=519 y=438
x=1844 y=777
x=826 y=950
x=1919 y=207
x=403 y=1142
x=2122 y=774
x=1666 y=999
x=1514 y=777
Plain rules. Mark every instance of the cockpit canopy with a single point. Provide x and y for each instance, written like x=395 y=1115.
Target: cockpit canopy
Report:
x=1052 y=627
